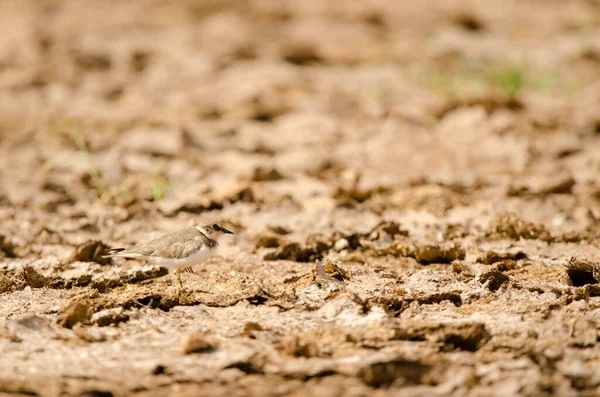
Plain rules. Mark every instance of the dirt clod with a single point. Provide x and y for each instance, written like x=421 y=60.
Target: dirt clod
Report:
x=506 y=265
x=33 y=278
x=91 y=251
x=434 y=298
x=494 y=279
x=199 y=342
x=108 y=317
x=9 y=282
x=509 y=225
x=461 y=336
x=462 y=270
x=268 y=240
x=426 y=254
x=300 y=346
x=251 y=329
x=7 y=248
x=491 y=257
x=556 y=185
x=75 y=313
x=262 y=174
x=582 y=272
x=390 y=228
x=329 y=272
x=437 y=254
x=400 y=372
x=95 y=393
x=280 y=230
x=291 y=252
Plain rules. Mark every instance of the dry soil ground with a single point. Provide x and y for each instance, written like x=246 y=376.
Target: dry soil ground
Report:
x=413 y=185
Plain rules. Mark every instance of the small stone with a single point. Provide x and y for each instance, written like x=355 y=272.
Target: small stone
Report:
x=341 y=244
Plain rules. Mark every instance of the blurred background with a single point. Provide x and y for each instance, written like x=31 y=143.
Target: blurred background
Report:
x=396 y=104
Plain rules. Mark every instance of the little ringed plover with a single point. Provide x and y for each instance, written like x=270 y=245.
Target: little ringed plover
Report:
x=178 y=250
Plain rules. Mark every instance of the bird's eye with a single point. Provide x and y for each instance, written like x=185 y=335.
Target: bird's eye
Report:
x=215 y=226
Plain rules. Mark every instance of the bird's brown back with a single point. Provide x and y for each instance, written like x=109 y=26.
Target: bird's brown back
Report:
x=179 y=244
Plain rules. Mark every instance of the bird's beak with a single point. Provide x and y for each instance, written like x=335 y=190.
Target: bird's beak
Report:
x=226 y=231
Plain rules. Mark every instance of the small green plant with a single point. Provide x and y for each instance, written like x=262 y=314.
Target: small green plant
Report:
x=508 y=79
x=72 y=130
x=159 y=186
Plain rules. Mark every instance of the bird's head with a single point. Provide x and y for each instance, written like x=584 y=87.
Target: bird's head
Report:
x=213 y=230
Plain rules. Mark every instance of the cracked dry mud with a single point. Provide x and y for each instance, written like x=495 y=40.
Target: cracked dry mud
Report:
x=414 y=188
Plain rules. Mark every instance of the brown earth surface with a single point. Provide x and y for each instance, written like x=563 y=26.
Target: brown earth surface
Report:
x=414 y=189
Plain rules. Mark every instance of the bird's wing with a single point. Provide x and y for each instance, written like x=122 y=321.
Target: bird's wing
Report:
x=180 y=244
x=179 y=249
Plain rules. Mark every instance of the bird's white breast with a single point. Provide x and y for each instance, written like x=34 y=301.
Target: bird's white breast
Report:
x=178 y=263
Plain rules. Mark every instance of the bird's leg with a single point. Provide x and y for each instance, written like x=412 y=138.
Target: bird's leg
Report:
x=179 y=279
x=179 y=271
x=180 y=289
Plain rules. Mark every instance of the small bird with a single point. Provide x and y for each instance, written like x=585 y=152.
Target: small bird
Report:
x=178 y=250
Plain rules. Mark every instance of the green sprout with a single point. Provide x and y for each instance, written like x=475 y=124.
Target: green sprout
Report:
x=509 y=79
x=72 y=129
x=159 y=187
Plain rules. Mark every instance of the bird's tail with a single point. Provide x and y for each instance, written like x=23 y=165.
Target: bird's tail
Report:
x=113 y=252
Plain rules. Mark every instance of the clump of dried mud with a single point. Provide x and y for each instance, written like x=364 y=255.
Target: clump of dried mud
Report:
x=413 y=189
